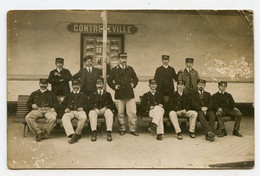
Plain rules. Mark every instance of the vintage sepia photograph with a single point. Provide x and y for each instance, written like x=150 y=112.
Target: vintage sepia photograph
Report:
x=130 y=89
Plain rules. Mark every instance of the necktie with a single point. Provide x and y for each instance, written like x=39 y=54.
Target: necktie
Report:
x=89 y=69
x=201 y=98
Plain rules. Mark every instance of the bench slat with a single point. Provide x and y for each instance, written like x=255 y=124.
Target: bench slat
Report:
x=183 y=119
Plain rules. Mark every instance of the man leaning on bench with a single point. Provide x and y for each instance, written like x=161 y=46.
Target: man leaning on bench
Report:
x=88 y=99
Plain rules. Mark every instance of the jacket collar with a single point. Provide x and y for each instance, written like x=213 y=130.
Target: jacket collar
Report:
x=119 y=66
x=43 y=91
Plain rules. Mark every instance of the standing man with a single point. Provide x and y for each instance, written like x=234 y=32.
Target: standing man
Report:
x=164 y=77
x=42 y=103
x=59 y=78
x=123 y=80
x=152 y=105
x=224 y=104
x=202 y=102
x=88 y=76
x=179 y=106
x=73 y=106
x=101 y=104
x=190 y=76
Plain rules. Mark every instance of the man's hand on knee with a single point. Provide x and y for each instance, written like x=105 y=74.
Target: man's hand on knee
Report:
x=34 y=106
x=67 y=110
x=52 y=110
x=80 y=109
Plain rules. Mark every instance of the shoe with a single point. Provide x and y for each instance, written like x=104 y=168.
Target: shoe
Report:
x=159 y=137
x=74 y=138
x=153 y=127
x=39 y=137
x=94 y=136
x=179 y=136
x=223 y=133
x=192 y=134
x=109 y=137
x=236 y=133
x=210 y=136
x=134 y=133
x=122 y=133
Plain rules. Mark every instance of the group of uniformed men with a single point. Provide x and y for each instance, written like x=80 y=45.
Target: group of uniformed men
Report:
x=89 y=99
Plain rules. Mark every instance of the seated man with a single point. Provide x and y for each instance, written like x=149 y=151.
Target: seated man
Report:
x=179 y=106
x=73 y=106
x=152 y=105
x=42 y=103
x=224 y=104
x=201 y=101
x=101 y=104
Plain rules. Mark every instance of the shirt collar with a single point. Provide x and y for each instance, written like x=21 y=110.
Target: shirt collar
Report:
x=180 y=93
x=42 y=91
x=122 y=66
x=165 y=66
x=88 y=68
x=221 y=92
x=59 y=70
x=188 y=69
x=102 y=91
x=200 y=91
x=152 y=92
x=76 y=92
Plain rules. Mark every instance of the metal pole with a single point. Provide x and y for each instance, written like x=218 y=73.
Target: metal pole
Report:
x=104 y=56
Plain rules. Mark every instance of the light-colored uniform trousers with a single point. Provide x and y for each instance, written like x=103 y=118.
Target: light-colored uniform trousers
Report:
x=157 y=114
x=130 y=106
x=66 y=121
x=35 y=114
x=108 y=114
x=192 y=115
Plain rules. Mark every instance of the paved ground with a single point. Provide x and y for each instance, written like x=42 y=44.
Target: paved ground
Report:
x=129 y=151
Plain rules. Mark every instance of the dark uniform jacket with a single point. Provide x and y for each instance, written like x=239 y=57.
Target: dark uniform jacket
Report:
x=179 y=102
x=148 y=100
x=45 y=99
x=224 y=101
x=164 y=78
x=58 y=86
x=197 y=103
x=191 y=80
x=74 y=101
x=99 y=101
x=123 y=78
x=88 y=80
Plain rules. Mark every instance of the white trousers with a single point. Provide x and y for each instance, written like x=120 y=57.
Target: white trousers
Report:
x=157 y=115
x=66 y=121
x=192 y=115
x=108 y=114
x=130 y=106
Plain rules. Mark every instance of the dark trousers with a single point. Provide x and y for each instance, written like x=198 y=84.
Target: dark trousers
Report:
x=207 y=121
x=237 y=115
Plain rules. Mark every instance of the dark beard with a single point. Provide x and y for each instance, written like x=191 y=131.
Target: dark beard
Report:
x=43 y=87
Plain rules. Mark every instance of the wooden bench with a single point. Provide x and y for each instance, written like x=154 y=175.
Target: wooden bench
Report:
x=182 y=120
x=22 y=111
